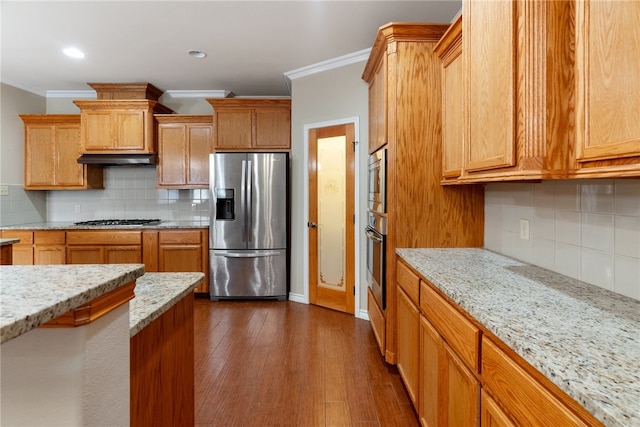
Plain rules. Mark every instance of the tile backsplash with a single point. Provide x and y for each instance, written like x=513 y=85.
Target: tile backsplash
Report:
x=22 y=207
x=587 y=229
x=130 y=193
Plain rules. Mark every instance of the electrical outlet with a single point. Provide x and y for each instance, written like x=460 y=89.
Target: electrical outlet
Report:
x=524 y=229
x=77 y=208
x=4 y=190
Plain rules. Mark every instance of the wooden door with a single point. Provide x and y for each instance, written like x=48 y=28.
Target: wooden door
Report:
x=607 y=70
x=430 y=349
x=128 y=129
x=82 y=254
x=331 y=217
x=49 y=254
x=491 y=414
x=408 y=341
x=233 y=129
x=198 y=150
x=378 y=107
x=185 y=258
x=39 y=156
x=489 y=37
x=461 y=392
x=123 y=254
x=96 y=129
x=272 y=128
x=172 y=168
x=69 y=173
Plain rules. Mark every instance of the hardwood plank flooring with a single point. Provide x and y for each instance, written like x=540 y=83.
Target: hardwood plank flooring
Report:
x=271 y=363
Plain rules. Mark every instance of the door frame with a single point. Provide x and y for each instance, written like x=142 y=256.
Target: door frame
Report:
x=305 y=212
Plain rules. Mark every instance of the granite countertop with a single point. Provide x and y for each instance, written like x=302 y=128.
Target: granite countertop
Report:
x=33 y=295
x=585 y=339
x=156 y=293
x=67 y=225
x=8 y=241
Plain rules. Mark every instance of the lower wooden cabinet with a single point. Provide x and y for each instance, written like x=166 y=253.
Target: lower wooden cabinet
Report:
x=104 y=247
x=376 y=317
x=23 y=250
x=408 y=339
x=491 y=415
x=184 y=251
x=49 y=247
x=430 y=351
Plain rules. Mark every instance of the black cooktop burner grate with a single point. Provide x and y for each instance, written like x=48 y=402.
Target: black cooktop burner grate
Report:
x=119 y=222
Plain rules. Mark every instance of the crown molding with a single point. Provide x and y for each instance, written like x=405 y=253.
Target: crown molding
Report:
x=198 y=93
x=27 y=88
x=330 y=64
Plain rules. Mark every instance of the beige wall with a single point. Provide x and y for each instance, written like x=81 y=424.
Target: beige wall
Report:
x=329 y=96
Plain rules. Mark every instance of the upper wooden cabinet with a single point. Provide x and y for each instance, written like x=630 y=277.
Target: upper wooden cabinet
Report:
x=449 y=49
x=251 y=124
x=184 y=145
x=378 y=107
x=517 y=60
x=51 y=150
x=608 y=88
x=118 y=126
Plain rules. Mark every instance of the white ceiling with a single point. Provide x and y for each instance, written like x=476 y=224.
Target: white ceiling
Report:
x=250 y=44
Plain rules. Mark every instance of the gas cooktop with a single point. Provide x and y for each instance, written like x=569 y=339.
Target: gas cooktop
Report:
x=119 y=222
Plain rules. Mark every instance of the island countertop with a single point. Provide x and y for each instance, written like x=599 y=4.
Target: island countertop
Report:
x=583 y=338
x=156 y=293
x=33 y=295
x=8 y=241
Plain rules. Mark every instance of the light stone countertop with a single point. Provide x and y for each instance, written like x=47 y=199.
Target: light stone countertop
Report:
x=156 y=293
x=585 y=339
x=67 y=225
x=34 y=294
x=8 y=241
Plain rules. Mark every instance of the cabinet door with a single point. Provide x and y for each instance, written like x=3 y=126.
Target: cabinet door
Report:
x=489 y=39
x=85 y=254
x=39 y=156
x=69 y=173
x=183 y=258
x=608 y=107
x=23 y=250
x=408 y=342
x=128 y=130
x=491 y=414
x=49 y=254
x=172 y=168
x=461 y=392
x=233 y=129
x=430 y=350
x=378 y=107
x=123 y=254
x=199 y=147
x=96 y=130
x=272 y=128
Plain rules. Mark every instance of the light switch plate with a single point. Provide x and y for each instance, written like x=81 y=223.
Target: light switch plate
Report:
x=4 y=190
x=524 y=229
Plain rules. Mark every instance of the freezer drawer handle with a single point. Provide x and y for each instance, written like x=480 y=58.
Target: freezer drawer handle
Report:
x=254 y=255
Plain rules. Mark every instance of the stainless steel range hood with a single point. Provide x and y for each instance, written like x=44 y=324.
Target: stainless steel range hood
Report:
x=118 y=159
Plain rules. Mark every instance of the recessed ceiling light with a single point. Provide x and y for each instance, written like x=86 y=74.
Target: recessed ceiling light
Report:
x=73 y=52
x=197 y=53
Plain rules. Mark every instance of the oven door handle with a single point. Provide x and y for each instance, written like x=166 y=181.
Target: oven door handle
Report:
x=371 y=235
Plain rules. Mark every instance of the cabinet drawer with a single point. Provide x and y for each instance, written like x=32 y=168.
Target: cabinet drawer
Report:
x=408 y=281
x=461 y=335
x=180 y=237
x=104 y=237
x=524 y=397
x=26 y=237
x=49 y=237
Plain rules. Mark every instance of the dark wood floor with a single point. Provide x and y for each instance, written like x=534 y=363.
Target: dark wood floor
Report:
x=269 y=363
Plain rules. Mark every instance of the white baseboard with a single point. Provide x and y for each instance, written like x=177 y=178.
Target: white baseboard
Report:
x=298 y=298
x=363 y=314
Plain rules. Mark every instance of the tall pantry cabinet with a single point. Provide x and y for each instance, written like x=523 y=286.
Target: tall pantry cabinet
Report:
x=404 y=76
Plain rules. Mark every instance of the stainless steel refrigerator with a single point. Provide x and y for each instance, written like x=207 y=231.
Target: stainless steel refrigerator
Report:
x=248 y=233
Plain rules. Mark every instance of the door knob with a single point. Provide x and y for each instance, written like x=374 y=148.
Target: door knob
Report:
x=312 y=225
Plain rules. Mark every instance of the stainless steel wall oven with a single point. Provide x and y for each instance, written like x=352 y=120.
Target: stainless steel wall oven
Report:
x=376 y=229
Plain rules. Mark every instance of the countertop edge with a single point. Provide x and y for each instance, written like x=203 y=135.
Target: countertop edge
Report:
x=153 y=299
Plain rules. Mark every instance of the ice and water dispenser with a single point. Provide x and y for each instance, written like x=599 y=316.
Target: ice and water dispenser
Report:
x=225 y=204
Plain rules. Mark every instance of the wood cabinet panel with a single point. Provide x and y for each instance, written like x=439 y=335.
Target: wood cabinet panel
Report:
x=378 y=107
x=49 y=254
x=51 y=150
x=607 y=48
x=457 y=331
x=408 y=351
x=104 y=237
x=85 y=254
x=251 y=124
x=461 y=392
x=184 y=145
x=408 y=281
x=376 y=317
x=123 y=254
x=185 y=251
x=491 y=415
x=22 y=252
x=528 y=402
x=430 y=356
x=180 y=237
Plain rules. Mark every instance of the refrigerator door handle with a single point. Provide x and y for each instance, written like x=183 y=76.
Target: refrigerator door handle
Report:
x=243 y=199
x=249 y=210
x=248 y=255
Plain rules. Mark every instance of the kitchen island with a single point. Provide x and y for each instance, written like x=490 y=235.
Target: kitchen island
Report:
x=583 y=339
x=66 y=332
x=6 y=250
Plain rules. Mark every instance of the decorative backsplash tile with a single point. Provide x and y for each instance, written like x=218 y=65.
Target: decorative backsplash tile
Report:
x=586 y=229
